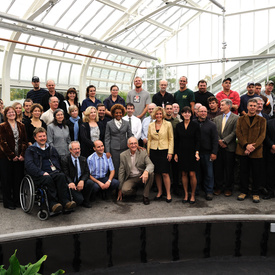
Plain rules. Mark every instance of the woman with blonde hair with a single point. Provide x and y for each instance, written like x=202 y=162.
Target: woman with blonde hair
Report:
x=89 y=131
x=160 y=148
x=74 y=122
x=19 y=111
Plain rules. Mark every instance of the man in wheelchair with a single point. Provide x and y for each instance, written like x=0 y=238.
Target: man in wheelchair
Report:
x=42 y=164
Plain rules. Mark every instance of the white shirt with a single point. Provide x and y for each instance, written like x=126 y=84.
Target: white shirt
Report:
x=135 y=126
x=47 y=117
x=145 y=125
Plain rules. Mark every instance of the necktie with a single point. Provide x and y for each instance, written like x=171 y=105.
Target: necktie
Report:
x=223 y=122
x=76 y=168
x=130 y=123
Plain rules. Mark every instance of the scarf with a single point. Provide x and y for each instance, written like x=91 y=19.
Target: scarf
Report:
x=76 y=126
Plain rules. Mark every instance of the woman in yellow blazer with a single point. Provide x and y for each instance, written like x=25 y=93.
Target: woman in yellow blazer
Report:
x=160 y=149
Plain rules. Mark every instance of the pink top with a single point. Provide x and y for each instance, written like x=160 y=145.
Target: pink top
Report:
x=233 y=96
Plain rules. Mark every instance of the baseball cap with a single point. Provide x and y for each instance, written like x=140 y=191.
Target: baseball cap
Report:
x=250 y=83
x=228 y=78
x=35 y=79
x=270 y=82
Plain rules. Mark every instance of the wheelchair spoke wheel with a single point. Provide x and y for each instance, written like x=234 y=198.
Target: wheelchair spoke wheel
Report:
x=27 y=194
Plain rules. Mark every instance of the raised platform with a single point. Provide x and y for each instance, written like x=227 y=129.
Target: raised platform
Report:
x=129 y=233
x=109 y=214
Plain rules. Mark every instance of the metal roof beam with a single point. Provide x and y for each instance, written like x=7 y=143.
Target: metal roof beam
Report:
x=74 y=34
x=67 y=40
x=249 y=11
x=112 y=5
x=167 y=4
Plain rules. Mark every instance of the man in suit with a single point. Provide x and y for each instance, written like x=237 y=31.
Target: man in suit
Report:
x=250 y=132
x=76 y=169
x=224 y=164
x=135 y=168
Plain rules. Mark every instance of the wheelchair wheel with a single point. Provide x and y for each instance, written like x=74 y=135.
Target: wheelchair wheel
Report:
x=42 y=215
x=27 y=194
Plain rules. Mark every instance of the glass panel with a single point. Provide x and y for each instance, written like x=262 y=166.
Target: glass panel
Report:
x=27 y=67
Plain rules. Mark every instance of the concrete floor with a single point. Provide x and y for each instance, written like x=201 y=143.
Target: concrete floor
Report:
x=110 y=213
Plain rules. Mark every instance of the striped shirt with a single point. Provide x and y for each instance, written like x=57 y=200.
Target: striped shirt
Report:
x=99 y=166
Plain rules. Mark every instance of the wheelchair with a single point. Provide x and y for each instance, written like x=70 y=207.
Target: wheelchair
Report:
x=29 y=195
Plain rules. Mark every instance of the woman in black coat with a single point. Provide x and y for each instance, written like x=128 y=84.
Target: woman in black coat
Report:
x=187 y=145
x=74 y=122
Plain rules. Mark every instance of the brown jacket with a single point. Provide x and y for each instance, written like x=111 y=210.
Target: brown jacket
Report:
x=247 y=134
x=7 y=142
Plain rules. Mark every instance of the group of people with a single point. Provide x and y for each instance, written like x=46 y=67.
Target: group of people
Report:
x=188 y=139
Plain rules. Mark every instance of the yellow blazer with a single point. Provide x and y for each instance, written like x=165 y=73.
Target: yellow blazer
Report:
x=162 y=140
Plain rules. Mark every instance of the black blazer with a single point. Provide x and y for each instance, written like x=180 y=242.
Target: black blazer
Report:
x=86 y=142
x=69 y=169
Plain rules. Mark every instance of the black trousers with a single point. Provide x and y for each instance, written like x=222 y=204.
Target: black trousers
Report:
x=12 y=173
x=224 y=170
x=246 y=164
x=85 y=194
x=57 y=188
x=270 y=169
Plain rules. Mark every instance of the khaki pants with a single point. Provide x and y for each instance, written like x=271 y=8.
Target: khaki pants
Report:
x=130 y=186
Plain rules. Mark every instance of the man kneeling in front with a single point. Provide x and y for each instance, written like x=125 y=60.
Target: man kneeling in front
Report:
x=135 y=168
x=42 y=164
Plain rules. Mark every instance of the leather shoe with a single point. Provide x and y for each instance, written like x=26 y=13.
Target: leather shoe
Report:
x=217 y=192
x=268 y=196
x=184 y=201
x=227 y=193
x=70 y=205
x=57 y=208
x=87 y=204
x=168 y=200
x=209 y=197
x=192 y=202
x=146 y=201
x=11 y=207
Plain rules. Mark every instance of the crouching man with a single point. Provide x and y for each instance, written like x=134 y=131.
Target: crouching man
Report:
x=76 y=169
x=42 y=164
x=135 y=168
x=101 y=169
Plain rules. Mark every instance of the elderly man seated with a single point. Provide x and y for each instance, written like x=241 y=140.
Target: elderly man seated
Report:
x=135 y=168
x=42 y=164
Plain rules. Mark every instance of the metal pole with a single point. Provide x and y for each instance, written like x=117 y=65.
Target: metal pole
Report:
x=224 y=46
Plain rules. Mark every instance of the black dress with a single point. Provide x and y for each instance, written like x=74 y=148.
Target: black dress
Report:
x=187 y=142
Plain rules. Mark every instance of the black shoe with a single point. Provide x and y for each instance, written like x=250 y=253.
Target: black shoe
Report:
x=87 y=204
x=146 y=201
x=192 y=202
x=168 y=200
x=209 y=197
x=184 y=201
x=157 y=198
x=11 y=207
x=268 y=196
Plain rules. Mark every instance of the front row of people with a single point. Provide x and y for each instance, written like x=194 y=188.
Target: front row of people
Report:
x=82 y=176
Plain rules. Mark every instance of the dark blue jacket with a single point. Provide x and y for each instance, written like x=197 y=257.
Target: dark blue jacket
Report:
x=33 y=160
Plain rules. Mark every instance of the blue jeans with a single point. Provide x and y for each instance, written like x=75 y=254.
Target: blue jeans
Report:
x=114 y=184
x=206 y=174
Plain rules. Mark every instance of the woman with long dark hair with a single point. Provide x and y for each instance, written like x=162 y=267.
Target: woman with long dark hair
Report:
x=70 y=99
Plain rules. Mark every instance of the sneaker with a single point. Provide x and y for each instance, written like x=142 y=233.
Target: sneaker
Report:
x=241 y=197
x=57 y=208
x=70 y=205
x=256 y=198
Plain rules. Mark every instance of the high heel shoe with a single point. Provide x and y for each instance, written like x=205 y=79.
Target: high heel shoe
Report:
x=156 y=198
x=192 y=202
x=169 y=200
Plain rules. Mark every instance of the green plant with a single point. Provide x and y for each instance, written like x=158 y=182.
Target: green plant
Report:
x=30 y=269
